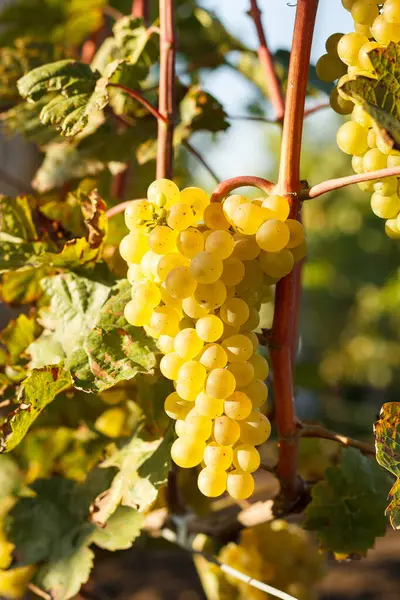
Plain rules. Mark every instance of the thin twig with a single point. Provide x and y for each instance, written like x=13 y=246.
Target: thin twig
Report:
x=227 y=186
x=166 y=104
x=39 y=592
x=317 y=108
x=171 y=537
x=200 y=158
x=290 y=185
x=112 y=12
x=335 y=184
x=252 y=118
x=119 y=208
x=318 y=431
x=266 y=62
x=141 y=99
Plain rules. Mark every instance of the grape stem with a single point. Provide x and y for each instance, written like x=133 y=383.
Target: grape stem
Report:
x=140 y=10
x=267 y=64
x=318 y=431
x=307 y=113
x=227 y=186
x=289 y=184
x=335 y=184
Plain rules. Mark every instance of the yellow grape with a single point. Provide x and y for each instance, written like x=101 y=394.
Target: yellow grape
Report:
x=373 y=160
x=133 y=246
x=231 y=203
x=205 y=267
x=339 y=104
x=220 y=243
x=197 y=199
x=176 y=407
x=352 y=138
x=260 y=365
x=391 y=11
x=296 y=233
x=276 y=207
x=213 y=356
x=208 y=406
x=385 y=32
x=349 y=46
x=212 y=482
x=186 y=392
x=193 y=309
x=255 y=429
x=149 y=264
x=190 y=242
x=277 y=264
x=163 y=192
x=170 y=365
x=254 y=340
x=180 y=217
x=198 y=426
x=135 y=273
x=165 y=344
x=233 y=271
x=247 y=218
x=363 y=58
x=237 y=406
x=238 y=347
x=164 y=320
x=168 y=262
x=226 y=431
x=210 y=295
x=246 y=247
x=162 y=240
x=234 y=312
x=136 y=315
x=385 y=207
x=243 y=372
x=392 y=229
x=214 y=217
x=364 y=11
x=209 y=328
x=146 y=293
x=137 y=212
x=273 y=235
x=240 y=485
x=170 y=300
x=188 y=344
x=246 y=458
x=218 y=457
x=192 y=374
x=257 y=391
x=180 y=427
x=329 y=68
x=187 y=452
x=332 y=42
x=179 y=283
x=220 y=383
x=253 y=320
x=393 y=161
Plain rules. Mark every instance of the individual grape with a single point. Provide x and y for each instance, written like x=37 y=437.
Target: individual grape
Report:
x=387 y=186
x=188 y=344
x=170 y=365
x=137 y=212
x=186 y=392
x=332 y=42
x=357 y=163
x=253 y=320
x=393 y=161
x=220 y=243
x=391 y=11
x=231 y=203
x=363 y=29
x=218 y=457
x=192 y=374
x=210 y=295
x=176 y=407
x=197 y=199
x=180 y=217
x=238 y=348
x=237 y=406
x=273 y=235
x=373 y=160
x=252 y=336
x=385 y=32
x=233 y=271
x=276 y=207
x=246 y=458
x=366 y=186
x=277 y=264
x=214 y=217
x=180 y=427
x=163 y=192
x=385 y=207
x=261 y=368
x=187 y=452
x=352 y=138
x=255 y=429
x=229 y=330
x=347 y=4
x=349 y=46
x=146 y=293
x=149 y=265
x=339 y=104
x=162 y=240
x=220 y=383
x=226 y=431
x=135 y=274
x=240 y=485
x=361 y=116
x=180 y=283
x=329 y=68
x=190 y=242
x=136 y=315
x=193 y=309
x=363 y=58
x=165 y=344
x=208 y=406
x=170 y=300
x=296 y=233
x=205 y=267
x=243 y=372
x=364 y=11
x=382 y=145
x=209 y=328
x=247 y=218
x=164 y=320
x=212 y=482
x=392 y=229
x=234 y=312
x=168 y=262
x=198 y=426
x=213 y=356
x=246 y=247
x=133 y=246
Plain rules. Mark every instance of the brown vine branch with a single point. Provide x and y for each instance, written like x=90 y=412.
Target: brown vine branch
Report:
x=266 y=62
x=318 y=431
x=335 y=184
x=166 y=106
x=141 y=99
x=290 y=185
x=227 y=186
x=140 y=10
x=316 y=108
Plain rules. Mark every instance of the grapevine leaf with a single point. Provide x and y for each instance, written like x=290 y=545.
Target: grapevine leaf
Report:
x=347 y=510
x=22 y=287
x=37 y=390
x=117 y=350
x=11 y=477
x=387 y=436
x=120 y=531
x=143 y=468
x=79 y=367
x=17 y=336
x=16 y=218
x=379 y=94
x=24 y=118
x=151 y=393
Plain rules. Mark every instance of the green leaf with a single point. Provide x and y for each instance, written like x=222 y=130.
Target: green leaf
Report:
x=143 y=468
x=22 y=287
x=16 y=218
x=387 y=436
x=116 y=350
x=379 y=94
x=120 y=531
x=17 y=336
x=11 y=477
x=37 y=390
x=347 y=510
x=24 y=118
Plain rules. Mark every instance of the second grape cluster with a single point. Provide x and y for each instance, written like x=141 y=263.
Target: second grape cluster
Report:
x=200 y=272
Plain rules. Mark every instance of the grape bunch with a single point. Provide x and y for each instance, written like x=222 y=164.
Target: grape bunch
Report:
x=200 y=272
x=376 y=24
